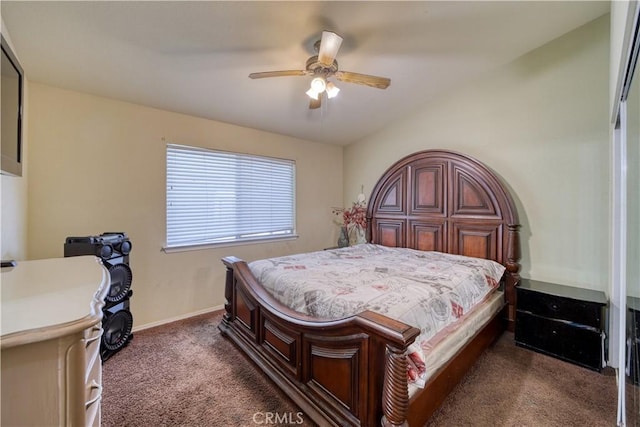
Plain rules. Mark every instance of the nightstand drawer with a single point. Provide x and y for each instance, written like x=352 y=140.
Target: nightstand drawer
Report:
x=633 y=363
x=567 y=341
x=555 y=307
x=634 y=323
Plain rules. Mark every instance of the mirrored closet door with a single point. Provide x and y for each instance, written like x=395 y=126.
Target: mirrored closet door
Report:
x=630 y=108
x=633 y=252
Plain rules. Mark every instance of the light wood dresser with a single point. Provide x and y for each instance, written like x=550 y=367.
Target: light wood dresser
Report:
x=51 y=330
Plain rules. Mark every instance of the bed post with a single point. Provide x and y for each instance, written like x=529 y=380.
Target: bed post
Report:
x=513 y=267
x=228 y=291
x=395 y=393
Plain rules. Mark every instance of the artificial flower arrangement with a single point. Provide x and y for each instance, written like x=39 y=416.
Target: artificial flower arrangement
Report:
x=353 y=222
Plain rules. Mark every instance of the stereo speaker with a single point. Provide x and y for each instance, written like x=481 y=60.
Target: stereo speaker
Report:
x=117 y=325
x=113 y=249
x=106 y=246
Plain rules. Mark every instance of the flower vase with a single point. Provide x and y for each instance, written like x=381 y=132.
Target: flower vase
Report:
x=356 y=235
x=343 y=239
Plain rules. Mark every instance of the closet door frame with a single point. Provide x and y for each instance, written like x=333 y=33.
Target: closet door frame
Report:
x=619 y=241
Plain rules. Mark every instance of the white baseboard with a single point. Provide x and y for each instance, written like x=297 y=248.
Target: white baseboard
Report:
x=175 y=319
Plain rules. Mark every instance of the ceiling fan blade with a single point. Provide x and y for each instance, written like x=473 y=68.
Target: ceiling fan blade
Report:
x=284 y=73
x=315 y=103
x=363 y=79
x=329 y=46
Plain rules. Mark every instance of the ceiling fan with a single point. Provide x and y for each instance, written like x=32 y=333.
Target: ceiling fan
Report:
x=323 y=66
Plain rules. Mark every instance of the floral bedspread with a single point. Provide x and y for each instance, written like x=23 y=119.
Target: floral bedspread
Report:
x=429 y=290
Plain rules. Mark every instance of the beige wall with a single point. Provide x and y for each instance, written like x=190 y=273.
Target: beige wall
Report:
x=98 y=165
x=541 y=123
x=13 y=192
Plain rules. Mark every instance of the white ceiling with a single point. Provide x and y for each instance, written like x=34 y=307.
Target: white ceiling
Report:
x=195 y=57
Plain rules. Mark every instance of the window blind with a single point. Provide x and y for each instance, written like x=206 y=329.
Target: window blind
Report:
x=217 y=197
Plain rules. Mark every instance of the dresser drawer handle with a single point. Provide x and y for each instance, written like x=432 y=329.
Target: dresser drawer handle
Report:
x=92 y=339
x=93 y=386
x=97 y=336
x=554 y=307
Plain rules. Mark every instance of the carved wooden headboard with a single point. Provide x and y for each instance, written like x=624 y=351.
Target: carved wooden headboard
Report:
x=445 y=201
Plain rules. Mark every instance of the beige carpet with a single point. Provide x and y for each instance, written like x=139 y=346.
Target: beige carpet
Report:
x=187 y=374
x=512 y=386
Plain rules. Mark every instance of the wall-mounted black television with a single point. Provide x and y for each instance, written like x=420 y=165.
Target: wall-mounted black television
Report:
x=12 y=94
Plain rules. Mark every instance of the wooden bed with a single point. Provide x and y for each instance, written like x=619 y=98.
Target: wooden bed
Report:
x=353 y=372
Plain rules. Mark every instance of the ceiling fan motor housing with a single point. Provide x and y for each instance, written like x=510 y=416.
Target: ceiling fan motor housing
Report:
x=318 y=68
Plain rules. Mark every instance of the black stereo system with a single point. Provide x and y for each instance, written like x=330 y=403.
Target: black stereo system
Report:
x=117 y=322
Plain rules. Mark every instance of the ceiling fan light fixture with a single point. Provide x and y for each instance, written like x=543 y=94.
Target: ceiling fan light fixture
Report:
x=318 y=84
x=332 y=90
x=313 y=94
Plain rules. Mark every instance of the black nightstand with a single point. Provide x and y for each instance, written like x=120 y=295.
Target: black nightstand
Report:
x=562 y=321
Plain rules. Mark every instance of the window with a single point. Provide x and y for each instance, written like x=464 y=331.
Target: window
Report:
x=222 y=197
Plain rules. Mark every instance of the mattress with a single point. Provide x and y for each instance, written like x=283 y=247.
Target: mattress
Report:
x=442 y=351
x=432 y=291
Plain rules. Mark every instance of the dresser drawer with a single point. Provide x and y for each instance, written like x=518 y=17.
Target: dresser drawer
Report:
x=93 y=380
x=564 y=340
x=93 y=416
x=92 y=347
x=556 y=307
x=93 y=405
x=93 y=394
x=93 y=375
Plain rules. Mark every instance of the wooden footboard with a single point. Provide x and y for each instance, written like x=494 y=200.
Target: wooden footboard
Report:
x=349 y=372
